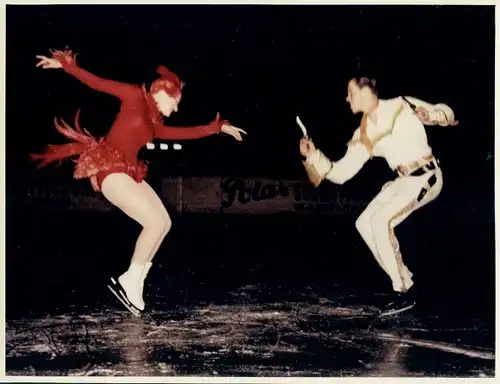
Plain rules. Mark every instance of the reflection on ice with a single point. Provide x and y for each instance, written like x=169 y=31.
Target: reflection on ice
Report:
x=312 y=336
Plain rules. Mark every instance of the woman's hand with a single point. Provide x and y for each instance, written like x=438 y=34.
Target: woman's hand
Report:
x=233 y=131
x=48 y=63
x=307 y=147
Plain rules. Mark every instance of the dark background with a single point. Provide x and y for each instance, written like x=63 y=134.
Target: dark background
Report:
x=260 y=67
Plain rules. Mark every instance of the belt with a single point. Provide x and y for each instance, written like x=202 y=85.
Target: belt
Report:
x=417 y=168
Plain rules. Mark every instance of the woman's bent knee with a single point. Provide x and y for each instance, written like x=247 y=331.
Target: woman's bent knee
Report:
x=167 y=223
x=159 y=224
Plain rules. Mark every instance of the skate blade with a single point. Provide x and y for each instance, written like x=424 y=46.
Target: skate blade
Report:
x=393 y=312
x=131 y=309
x=127 y=305
x=121 y=291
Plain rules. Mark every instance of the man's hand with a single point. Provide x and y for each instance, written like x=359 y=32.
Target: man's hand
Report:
x=307 y=147
x=422 y=114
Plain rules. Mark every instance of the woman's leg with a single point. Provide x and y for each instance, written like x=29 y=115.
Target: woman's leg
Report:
x=136 y=201
x=168 y=224
x=155 y=199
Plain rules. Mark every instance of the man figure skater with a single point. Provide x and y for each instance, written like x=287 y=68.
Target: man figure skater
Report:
x=392 y=129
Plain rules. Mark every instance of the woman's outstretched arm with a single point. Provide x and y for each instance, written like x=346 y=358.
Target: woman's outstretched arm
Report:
x=166 y=132
x=67 y=61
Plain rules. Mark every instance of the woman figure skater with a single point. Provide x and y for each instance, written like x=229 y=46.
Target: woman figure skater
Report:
x=112 y=163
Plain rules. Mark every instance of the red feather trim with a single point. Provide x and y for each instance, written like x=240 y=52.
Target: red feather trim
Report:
x=64 y=57
x=168 y=81
x=58 y=152
x=163 y=71
x=94 y=155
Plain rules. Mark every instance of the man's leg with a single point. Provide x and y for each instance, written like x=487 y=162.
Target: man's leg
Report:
x=364 y=226
x=406 y=201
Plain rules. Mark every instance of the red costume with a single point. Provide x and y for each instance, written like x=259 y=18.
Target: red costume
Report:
x=137 y=123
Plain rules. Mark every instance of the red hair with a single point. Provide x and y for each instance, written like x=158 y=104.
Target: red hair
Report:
x=168 y=82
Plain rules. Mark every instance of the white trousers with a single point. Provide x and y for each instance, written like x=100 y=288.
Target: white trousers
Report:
x=394 y=203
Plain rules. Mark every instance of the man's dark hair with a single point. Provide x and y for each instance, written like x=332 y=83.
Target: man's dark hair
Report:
x=363 y=81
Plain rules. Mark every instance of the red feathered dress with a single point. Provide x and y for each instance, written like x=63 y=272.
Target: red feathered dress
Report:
x=137 y=123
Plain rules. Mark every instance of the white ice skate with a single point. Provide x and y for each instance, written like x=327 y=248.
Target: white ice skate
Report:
x=144 y=275
x=129 y=288
x=120 y=294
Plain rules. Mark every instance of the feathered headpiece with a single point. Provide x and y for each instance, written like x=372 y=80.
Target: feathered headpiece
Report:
x=168 y=82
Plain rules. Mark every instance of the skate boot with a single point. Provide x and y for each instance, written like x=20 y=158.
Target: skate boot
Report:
x=123 y=295
x=128 y=288
x=401 y=301
x=145 y=272
x=131 y=284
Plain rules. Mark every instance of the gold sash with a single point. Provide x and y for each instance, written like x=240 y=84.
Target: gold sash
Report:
x=315 y=178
